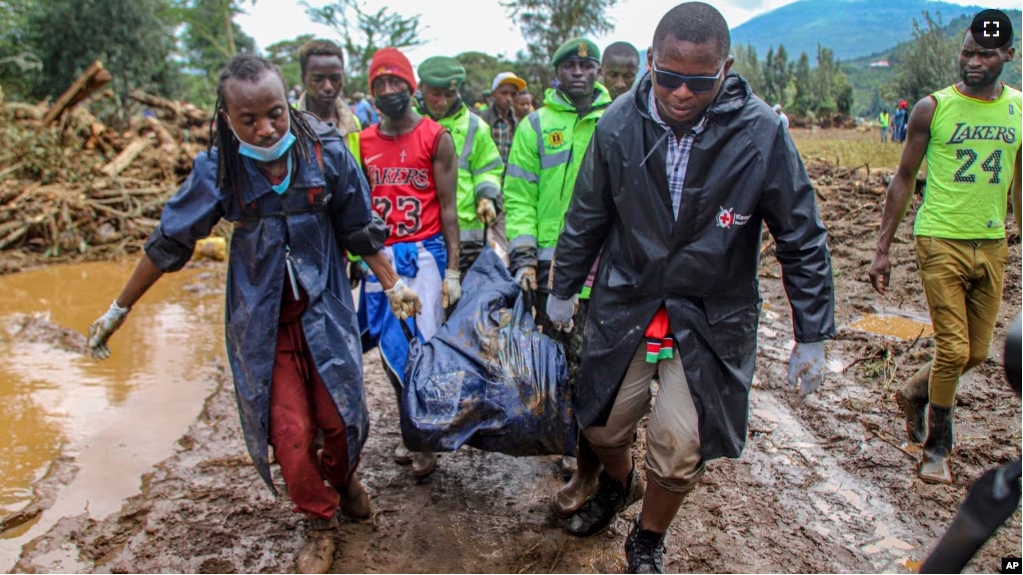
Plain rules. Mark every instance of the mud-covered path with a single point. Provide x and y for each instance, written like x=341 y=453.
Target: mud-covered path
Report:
x=821 y=487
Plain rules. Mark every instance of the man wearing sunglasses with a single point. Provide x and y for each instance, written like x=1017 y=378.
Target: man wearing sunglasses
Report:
x=675 y=187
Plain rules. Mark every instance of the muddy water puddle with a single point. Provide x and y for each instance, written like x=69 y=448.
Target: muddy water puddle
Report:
x=110 y=420
x=900 y=326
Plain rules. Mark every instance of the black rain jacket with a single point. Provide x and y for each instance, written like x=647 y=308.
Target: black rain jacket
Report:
x=743 y=171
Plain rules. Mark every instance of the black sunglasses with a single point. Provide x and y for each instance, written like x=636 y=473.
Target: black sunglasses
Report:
x=697 y=84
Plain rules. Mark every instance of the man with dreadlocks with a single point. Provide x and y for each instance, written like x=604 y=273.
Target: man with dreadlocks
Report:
x=411 y=165
x=297 y=199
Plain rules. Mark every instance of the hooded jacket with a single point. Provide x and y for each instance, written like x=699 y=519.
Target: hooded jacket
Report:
x=743 y=171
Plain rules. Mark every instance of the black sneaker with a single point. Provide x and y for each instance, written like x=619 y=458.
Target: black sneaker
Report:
x=600 y=509
x=644 y=550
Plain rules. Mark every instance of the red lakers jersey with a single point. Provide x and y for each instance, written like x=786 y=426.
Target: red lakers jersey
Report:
x=400 y=174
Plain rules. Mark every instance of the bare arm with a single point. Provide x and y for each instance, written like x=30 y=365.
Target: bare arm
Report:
x=146 y=274
x=900 y=190
x=1015 y=191
x=445 y=175
x=382 y=269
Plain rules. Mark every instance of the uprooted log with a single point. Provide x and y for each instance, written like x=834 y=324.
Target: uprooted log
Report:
x=126 y=157
x=175 y=109
x=94 y=78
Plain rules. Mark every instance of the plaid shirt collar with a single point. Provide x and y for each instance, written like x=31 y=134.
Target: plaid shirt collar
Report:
x=678 y=153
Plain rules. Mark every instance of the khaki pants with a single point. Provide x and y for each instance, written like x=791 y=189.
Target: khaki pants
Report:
x=962 y=280
x=673 y=459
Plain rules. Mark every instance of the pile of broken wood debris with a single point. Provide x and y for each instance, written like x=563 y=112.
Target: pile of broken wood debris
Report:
x=73 y=188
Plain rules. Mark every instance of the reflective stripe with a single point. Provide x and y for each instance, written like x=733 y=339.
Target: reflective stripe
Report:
x=470 y=235
x=523 y=241
x=547 y=160
x=486 y=186
x=517 y=172
x=470 y=139
x=545 y=254
x=491 y=166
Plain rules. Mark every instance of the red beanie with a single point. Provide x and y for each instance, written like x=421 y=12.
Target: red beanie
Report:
x=391 y=62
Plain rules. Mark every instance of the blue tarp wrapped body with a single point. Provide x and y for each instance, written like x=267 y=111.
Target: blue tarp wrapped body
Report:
x=488 y=378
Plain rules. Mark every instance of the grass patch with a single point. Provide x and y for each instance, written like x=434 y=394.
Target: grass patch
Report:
x=847 y=148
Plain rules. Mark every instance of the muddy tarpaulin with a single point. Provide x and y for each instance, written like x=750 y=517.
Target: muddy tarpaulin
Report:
x=488 y=379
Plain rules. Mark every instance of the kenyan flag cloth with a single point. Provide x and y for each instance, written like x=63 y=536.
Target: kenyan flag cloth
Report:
x=659 y=343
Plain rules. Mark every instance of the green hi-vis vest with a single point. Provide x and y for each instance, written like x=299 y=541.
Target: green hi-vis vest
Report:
x=543 y=163
x=479 y=169
x=883 y=118
x=970 y=162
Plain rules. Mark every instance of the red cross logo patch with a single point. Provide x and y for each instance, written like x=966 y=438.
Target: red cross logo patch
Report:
x=726 y=218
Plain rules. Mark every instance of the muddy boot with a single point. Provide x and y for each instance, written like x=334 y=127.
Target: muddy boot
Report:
x=567 y=466
x=912 y=399
x=423 y=463
x=600 y=509
x=355 y=500
x=938 y=446
x=402 y=456
x=317 y=553
x=571 y=497
x=644 y=550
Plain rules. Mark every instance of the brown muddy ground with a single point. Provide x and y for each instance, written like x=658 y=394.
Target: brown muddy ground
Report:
x=822 y=485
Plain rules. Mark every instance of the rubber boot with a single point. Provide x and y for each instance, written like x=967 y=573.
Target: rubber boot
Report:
x=423 y=463
x=912 y=399
x=571 y=497
x=938 y=446
x=355 y=500
x=317 y=553
x=402 y=456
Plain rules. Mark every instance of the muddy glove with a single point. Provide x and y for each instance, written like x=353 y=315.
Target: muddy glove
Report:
x=451 y=289
x=404 y=301
x=560 y=312
x=486 y=212
x=526 y=278
x=807 y=367
x=104 y=327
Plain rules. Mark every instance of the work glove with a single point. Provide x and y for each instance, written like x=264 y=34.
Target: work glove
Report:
x=451 y=289
x=560 y=312
x=486 y=212
x=404 y=301
x=806 y=366
x=104 y=327
x=526 y=278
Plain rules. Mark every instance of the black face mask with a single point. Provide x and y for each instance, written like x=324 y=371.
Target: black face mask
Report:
x=393 y=105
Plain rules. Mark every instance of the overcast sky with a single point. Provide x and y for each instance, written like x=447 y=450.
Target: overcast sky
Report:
x=455 y=26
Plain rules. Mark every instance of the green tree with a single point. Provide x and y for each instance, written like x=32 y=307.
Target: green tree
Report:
x=210 y=37
x=547 y=24
x=781 y=71
x=285 y=55
x=747 y=64
x=480 y=70
x=19 y=66
x=363 y=33
x=133 y=38
x=926 y=64
x=803 y=80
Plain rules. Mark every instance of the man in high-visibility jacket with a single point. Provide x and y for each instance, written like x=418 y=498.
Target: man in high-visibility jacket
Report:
x=479 y=163
x=544 y=160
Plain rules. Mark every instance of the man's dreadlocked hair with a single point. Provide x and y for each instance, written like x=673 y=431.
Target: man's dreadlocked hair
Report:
x=249 y=68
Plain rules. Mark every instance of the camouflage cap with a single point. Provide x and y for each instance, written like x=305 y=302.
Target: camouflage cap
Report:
x=442 y=72
x=576 y=48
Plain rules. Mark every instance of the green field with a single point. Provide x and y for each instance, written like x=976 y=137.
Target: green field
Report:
x=847 y=148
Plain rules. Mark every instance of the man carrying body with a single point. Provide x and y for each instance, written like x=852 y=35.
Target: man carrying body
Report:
x=298 y=199
x=707 y=164
x=479 y=164
x=542 y=167
x=970 y=135
x=619 y=68
x=412 y=169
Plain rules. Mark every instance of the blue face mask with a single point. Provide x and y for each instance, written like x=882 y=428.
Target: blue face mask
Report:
x=285 y=183
x=261 y=154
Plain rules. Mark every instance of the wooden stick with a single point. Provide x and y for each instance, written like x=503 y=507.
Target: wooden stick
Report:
x=126 y=157
x=94 y=77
